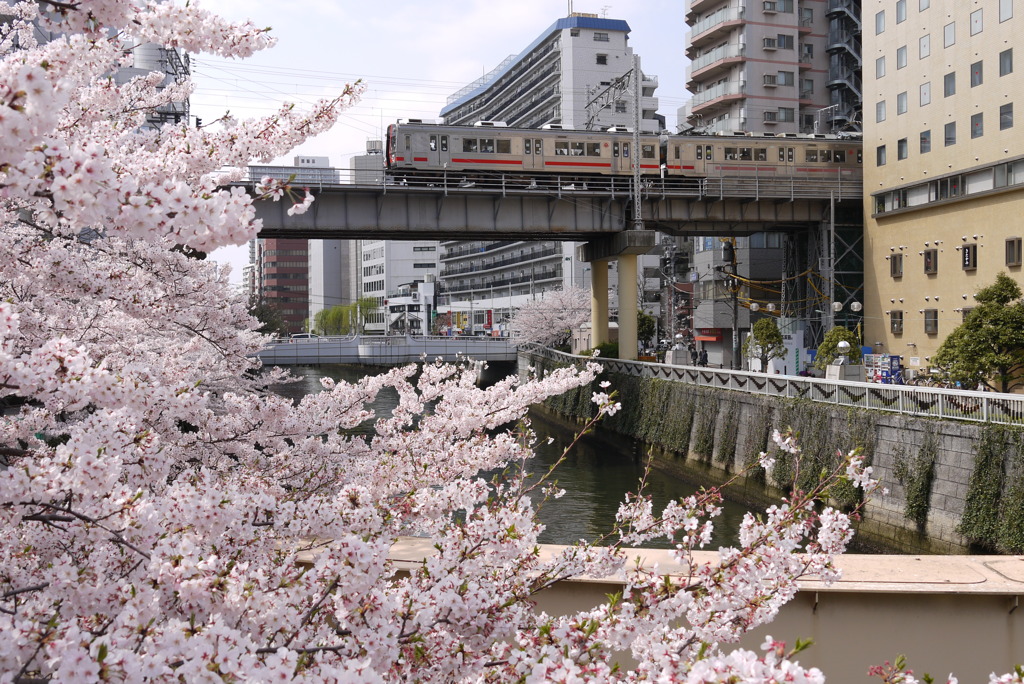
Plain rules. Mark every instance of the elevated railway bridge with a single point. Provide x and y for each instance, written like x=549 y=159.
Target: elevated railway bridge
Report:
x=597 y=211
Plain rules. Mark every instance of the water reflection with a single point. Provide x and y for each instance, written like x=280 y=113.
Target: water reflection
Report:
x=596 y=475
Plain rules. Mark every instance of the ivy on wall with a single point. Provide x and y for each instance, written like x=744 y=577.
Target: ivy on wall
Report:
x=705 y=419
x=755 y=442
x=1011 y=512
x=916 y=476
x=725 y=451
x=980 y=521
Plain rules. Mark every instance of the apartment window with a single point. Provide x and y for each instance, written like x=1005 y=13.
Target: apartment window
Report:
x=880 y=67
x=901 y=103
x=949 y=84
x=949 y=34
x=901 y=148
x=901 y=11
x=1005 y=10
x=785 y=42
x=896 y=266
x=924 y=46
x=602 y=59
x=600 y=37
x=931 y=261
x=926 y=141
x=896 y=322
x=880 y=111
x=1013 y=251
x=977 y=125
x=806 y=86
x=965 y=312
x=969 y=256
x=1005 y=116
x=620 y=107
x=949 y=133
x=926 y=93
x=1006 y=62
x=931 y=321
x=923 y=5
x=574 y=32
x=880 y=155
x=977 y=22
x=879 y=22
x=901 y=57
x=787 y=114
x=977 y=74
x=786 y=78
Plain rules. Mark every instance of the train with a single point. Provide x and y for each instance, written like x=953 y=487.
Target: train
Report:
x=416 y=149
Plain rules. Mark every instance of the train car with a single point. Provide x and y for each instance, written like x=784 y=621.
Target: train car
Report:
x=417 y=149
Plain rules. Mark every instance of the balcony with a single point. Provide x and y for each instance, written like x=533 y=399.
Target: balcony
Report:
x=719 y=91
x=695 y=6
x=708 y=26
x=716 y=56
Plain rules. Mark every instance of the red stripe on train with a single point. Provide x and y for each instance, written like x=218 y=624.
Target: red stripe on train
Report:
x=419 y=159
x=486 y=161
x=573 y=163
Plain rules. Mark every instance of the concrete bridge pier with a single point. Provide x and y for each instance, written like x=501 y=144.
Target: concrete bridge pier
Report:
x=599 y=303
x=627 y=307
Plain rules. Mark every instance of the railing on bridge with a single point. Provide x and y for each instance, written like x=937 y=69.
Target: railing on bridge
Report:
x=760 y=185
x=931 y=402
x=385 y=350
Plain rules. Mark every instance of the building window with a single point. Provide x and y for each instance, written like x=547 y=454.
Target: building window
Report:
x=949 y=133
x=880 y=155
x=901 y=11
x=1013 y=251
x=785 y=42
x=901 y=148
x=880 y=67
x=931 y=261
x=931 y=321
x=880 y=22
x=949 y=84
x=969 y=256
x=901 y=57
x=923 y=5
x=926 y=141
x=896 y=266
x=602 y=59
x=1006 y=62
x=786 y=78
x=896 y=322
x=620 y=108
x=977 y=23
x=880 y=111
x=926 y=93
x=901 y=103
x=806 y=87
x=949 y=34
x=1005 y=116
x=977 y=74
x=924 y=46
x=1005 y=10
x=977 y=125
x=600 y=37
x=787 y=114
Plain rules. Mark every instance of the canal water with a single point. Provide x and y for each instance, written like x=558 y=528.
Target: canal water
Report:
x=596 y=475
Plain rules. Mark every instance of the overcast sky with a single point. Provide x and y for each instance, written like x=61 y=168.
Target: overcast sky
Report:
x=410 y=54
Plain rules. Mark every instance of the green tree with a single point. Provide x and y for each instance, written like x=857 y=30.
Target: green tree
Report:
x=645 y=328
x=764 y=342
x=271 y=321
x=988 y=347
x=828 y=351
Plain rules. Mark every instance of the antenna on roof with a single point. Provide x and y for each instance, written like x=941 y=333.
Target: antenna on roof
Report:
x=570 y=8
x=604 y=11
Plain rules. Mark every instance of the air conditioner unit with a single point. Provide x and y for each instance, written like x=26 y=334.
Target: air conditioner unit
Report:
x=770 y=43
x=770 y=79
x=770 y=6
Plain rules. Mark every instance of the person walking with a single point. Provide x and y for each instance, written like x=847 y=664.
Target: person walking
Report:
x=693 y=355
x=702 y=360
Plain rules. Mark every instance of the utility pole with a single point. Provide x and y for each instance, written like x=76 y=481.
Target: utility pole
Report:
x=729 y=249
x=638 y=221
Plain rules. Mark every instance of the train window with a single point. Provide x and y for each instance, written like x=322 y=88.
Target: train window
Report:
x=593 y=149
x=790 y=154
x=677 y=153
x=730 y=154
x=469 y=144
x=647 y=151
x=433 y=143
x=577 y=149
x=746 y=154
x=444 y=143
x=761 y=154
x=538 y=147
x=528 y=146
x=860 y=156
x=487 y=145
x=810 y=155
x=615 y=149
x=625 y=149
x=504 y=147
x=825 y=155
x=700 y=152
x=839 y=156
x=561 y=148
x=707 y=153
x=782 y=154
x=408 y=141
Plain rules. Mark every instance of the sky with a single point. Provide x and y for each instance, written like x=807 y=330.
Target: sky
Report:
x=410 y=54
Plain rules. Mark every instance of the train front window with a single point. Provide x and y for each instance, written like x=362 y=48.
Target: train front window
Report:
x=408 y=141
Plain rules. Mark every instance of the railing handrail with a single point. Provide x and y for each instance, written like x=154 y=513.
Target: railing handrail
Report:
x=934 y=402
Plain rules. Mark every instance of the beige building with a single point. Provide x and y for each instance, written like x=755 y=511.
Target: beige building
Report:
x=943 y=165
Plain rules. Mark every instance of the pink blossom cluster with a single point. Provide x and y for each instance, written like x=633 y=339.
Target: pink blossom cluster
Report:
x=168 y=518
x=552 y=317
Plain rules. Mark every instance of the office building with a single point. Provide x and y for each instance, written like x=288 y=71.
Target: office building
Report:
x=943 y=172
